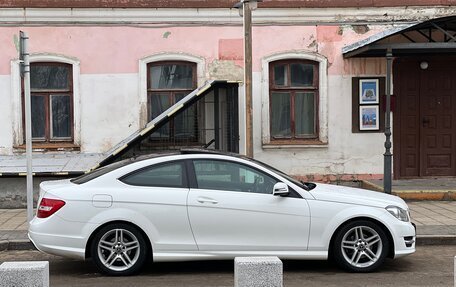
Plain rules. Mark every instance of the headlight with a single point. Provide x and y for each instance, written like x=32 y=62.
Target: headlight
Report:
x=398 y=212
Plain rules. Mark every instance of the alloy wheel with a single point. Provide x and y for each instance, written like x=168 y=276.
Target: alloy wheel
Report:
x=361 y=246
x=118 y=249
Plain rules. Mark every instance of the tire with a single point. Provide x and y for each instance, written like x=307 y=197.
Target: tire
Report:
x=360 y=246
x=119 y=249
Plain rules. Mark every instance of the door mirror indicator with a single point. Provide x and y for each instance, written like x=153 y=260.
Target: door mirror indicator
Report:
x=280 y=189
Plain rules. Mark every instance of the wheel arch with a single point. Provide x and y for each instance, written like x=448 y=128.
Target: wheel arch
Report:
x=373 y=220
x=92 y=235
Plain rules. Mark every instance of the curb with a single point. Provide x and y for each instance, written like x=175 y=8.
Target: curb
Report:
x=421 y=240
x=412 y=194
x=22 y=244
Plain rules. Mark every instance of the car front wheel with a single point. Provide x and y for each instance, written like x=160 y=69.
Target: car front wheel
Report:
x=360 y=246
x=119 y=249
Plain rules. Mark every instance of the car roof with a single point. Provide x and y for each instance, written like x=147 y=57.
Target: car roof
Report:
x=136 y=159
x=185 y=151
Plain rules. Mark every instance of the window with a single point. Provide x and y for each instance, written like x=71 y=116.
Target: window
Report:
x=293 y=92
x=51 y=88
x=168 y=83
x=163 y=175
x=224 y=175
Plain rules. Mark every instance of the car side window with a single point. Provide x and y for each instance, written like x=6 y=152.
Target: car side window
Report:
x=231 y=176
x=161 y=175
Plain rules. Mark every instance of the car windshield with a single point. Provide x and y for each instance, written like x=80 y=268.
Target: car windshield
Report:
x=305 y=185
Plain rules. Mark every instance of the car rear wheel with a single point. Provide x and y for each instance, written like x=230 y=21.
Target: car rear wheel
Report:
x=119 y=249
x=360 y=246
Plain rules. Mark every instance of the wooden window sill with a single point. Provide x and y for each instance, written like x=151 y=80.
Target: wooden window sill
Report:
x=57 y=146
x=284 y=144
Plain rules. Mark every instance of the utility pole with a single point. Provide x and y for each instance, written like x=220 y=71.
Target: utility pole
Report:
x=245 y=10
x=25 y=74
x=248 y=91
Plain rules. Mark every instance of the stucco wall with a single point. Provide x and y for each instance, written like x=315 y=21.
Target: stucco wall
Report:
x=6 y=132
x=109 y=83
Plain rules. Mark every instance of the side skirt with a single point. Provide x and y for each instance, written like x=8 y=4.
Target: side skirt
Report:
x=216 y=255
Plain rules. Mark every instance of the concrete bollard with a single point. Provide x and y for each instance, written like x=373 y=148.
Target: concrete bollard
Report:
x=24 y=274
x=258 y=271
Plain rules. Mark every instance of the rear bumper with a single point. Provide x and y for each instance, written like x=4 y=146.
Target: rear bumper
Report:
x=56 y=236
x=56 y=245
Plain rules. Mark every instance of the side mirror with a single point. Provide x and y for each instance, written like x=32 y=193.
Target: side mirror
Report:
x=280 y=189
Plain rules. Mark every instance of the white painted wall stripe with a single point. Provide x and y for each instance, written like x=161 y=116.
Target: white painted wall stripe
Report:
x=66 y=16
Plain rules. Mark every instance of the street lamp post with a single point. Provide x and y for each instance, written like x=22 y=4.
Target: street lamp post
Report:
x=387 y=170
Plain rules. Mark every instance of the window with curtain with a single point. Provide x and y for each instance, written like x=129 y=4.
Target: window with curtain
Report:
x=51 y=86
x=168 y=83
x=293 y=100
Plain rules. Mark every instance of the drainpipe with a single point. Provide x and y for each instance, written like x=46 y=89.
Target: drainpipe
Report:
x=387 y=178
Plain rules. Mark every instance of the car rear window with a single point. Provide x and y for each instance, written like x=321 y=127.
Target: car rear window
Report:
x=162 y=175
x=101 y=171
x=104 y=170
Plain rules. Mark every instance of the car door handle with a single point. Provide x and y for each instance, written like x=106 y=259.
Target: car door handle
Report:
x=206 y=200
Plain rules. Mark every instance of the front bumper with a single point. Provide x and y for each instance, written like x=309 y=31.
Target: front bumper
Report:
x=404 y=234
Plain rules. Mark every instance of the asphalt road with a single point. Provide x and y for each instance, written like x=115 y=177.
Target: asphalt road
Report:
x=429 y=266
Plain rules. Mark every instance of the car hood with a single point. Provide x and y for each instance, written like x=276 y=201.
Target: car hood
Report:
x=358 y=196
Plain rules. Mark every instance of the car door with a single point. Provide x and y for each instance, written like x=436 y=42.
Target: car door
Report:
x=232 y=209
x=159 y=193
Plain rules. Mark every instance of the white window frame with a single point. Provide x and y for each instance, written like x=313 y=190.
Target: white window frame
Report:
x=18 y=131
x=166 y=56
x=322 y=90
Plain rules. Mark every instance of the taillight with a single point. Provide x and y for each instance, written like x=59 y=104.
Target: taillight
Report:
x=48 y=207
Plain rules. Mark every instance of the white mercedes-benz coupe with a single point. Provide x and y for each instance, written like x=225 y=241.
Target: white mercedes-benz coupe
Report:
x=198 y=205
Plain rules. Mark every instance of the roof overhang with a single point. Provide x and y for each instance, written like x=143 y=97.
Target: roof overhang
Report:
x=436 y=36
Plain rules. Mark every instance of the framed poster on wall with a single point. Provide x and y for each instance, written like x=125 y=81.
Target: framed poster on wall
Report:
x=368 y=118
x=368 y=91
x=368 y=97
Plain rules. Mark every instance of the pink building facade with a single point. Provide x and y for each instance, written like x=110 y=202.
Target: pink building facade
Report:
x=99 y=68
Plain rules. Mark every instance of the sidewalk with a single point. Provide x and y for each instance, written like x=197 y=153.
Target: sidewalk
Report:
x=435 y=222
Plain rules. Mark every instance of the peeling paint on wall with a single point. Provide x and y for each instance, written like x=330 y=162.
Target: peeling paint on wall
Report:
x=340 y=31
x=166 y=34
x=313 y=45
x=225 y=70
x=360 y=29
